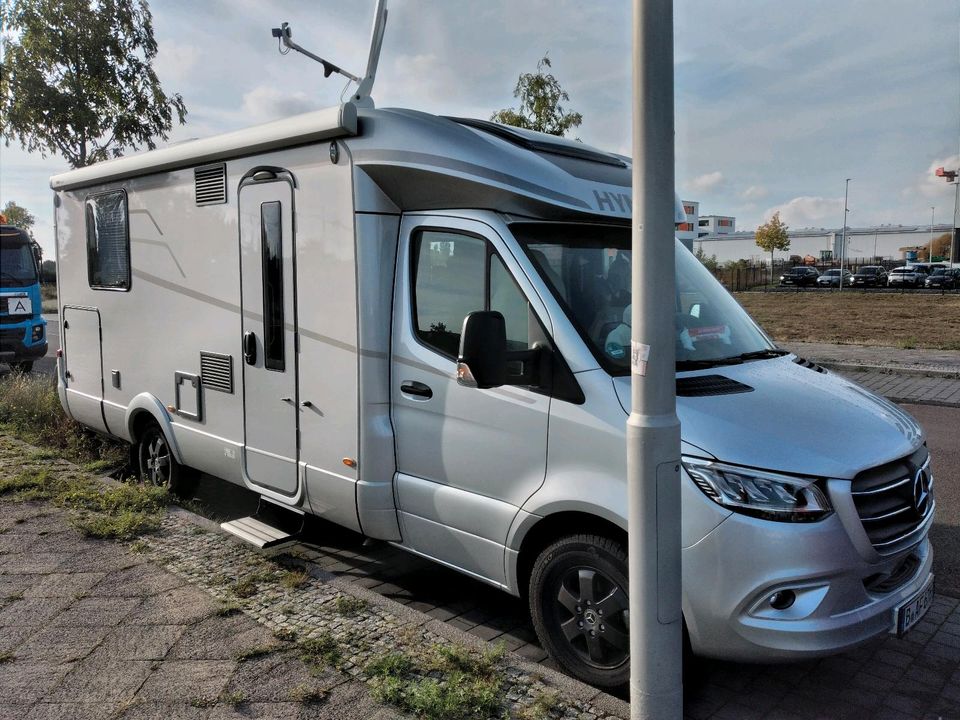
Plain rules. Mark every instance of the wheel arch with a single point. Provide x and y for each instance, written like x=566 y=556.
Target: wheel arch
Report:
x=143 y=409
x=535 y=533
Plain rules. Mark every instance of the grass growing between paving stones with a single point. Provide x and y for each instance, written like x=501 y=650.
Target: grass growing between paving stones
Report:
x=348 y=606
x=30 y=410
x=120 y=512
x=440 y=682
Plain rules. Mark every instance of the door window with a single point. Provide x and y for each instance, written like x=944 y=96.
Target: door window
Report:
x=271 y=240
x=459 y=274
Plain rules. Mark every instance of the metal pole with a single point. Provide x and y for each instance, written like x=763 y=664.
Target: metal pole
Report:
x=843 y=232
x=653 y=429
x=955 y=240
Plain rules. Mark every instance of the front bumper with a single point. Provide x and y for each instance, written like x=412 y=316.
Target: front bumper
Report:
x=725 y=593
x=17 y=343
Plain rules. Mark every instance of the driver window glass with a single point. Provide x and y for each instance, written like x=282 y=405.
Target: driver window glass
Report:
x=506 y=298
x=449 y=285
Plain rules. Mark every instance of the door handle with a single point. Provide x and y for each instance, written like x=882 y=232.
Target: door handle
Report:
x=250 y=348
x=412 y=387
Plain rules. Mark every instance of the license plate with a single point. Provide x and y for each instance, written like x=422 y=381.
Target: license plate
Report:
x=19 y=306
x=912 y=611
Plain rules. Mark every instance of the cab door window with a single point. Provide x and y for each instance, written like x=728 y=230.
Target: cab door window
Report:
x=455 y=275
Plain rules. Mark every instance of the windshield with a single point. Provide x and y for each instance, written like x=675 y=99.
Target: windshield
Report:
x=832 y=272
x=940 y=271
x=587 y=267
x=17 y=268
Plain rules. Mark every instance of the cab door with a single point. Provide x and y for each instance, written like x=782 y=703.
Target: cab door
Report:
x=467 y=459
x=269 y=334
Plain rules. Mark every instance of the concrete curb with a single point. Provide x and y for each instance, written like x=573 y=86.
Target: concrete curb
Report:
x=918 y=371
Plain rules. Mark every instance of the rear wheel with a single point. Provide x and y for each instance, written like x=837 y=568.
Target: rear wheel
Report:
x=24 y=366
x=580 y=608
x=157 y=464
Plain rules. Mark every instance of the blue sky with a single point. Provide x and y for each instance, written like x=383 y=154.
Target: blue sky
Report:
x=776 y=103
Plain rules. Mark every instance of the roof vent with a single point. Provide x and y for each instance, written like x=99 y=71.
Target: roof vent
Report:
x=706 y=385
x=210 y=184
x=803 y=362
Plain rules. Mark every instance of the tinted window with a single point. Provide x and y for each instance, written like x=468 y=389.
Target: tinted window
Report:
x=17 y=265
x=108 y=241
x=271 y=241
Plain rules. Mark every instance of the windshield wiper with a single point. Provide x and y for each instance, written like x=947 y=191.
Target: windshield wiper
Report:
x=764 y=354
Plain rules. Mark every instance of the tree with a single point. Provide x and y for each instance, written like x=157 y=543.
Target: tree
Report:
x=941 y=248
x=77 y=79
x=710 y=263
x=772 y=235
x=18 y=216
x=540 y=95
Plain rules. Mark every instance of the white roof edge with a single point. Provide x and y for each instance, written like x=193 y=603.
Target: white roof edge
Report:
x=333 y=122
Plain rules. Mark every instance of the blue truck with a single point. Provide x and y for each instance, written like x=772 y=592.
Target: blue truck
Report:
x=23 y=332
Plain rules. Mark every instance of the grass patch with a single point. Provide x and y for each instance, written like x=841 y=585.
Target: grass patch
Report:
x=30 y=410
x=14 y=596
x=139 y=546
x=285 y=634
x=307 y=695
x=121 y=511
x=228 y=609
x=442 y=682
x=199 y=702
x=6 y=657
x=294 y=579
x=856 y=318
x=247 y=585
x=348 y=605
x=234 y=698
x=542 y=707
x=320 y=651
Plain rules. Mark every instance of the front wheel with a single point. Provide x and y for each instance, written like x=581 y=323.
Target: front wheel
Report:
x=580 y=608
x=157 y=464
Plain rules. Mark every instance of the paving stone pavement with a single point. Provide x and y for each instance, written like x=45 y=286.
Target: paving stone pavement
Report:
x=95 y=631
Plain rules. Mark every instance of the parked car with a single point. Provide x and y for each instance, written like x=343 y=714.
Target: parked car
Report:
x=870 y=276
x=944 y=278
x=831 y=278
x=913 y=276
x=800 y=276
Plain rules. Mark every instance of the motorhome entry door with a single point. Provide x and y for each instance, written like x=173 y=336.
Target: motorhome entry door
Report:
x=268 y=336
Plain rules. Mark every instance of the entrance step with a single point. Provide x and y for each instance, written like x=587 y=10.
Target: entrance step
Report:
x=271 y=526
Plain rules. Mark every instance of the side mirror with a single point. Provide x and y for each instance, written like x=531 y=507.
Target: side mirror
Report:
x=483 y=350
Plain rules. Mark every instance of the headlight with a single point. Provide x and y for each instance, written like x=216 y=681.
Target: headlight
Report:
x=759 y=493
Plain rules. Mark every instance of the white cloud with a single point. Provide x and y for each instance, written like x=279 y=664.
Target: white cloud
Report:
x=265 y=103
x=807 y=211
x=755 y=192
x=707 y=182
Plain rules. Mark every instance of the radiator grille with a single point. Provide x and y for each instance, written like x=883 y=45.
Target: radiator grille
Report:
x=210 y=184
x=216 y=371
x=893 y=509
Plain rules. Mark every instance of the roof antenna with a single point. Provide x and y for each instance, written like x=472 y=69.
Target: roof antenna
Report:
x=362 y=96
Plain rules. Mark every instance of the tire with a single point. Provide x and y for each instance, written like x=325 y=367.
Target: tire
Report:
x=158 y=467
x=579 y=606
x=24 y=366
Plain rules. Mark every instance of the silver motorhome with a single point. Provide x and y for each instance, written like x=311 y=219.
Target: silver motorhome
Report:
x=284 y=307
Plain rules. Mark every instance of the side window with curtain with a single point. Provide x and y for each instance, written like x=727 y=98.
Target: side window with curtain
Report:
x=108 y=241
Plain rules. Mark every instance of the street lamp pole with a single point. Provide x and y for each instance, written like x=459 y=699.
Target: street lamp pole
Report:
x=843 y=232
x=653 y=429
x=933 y=210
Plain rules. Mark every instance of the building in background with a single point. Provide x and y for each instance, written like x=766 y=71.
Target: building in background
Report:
x=687 y=230
x=716 y=225
x=862 y=244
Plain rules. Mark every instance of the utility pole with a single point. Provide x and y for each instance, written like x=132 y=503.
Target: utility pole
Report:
x=933 y=210
x=843 y=232
x=653 y=429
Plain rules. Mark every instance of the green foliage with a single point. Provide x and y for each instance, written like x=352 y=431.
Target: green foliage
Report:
x=320 y=651
x=540 y=96
x=77 y=79
x=18 y=217
x=708 y=262
x=772 y=235
x=442 y=682
x=348 y=606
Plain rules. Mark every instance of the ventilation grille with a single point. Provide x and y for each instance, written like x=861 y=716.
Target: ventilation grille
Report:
x=704 y=385
x=216 y=371
x=803 y=362
x=210 y=184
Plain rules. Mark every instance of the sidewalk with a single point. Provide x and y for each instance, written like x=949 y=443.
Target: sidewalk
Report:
x=930 y=377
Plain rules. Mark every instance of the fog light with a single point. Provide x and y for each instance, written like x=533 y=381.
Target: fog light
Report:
x=37 y=333
x=782 y=599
